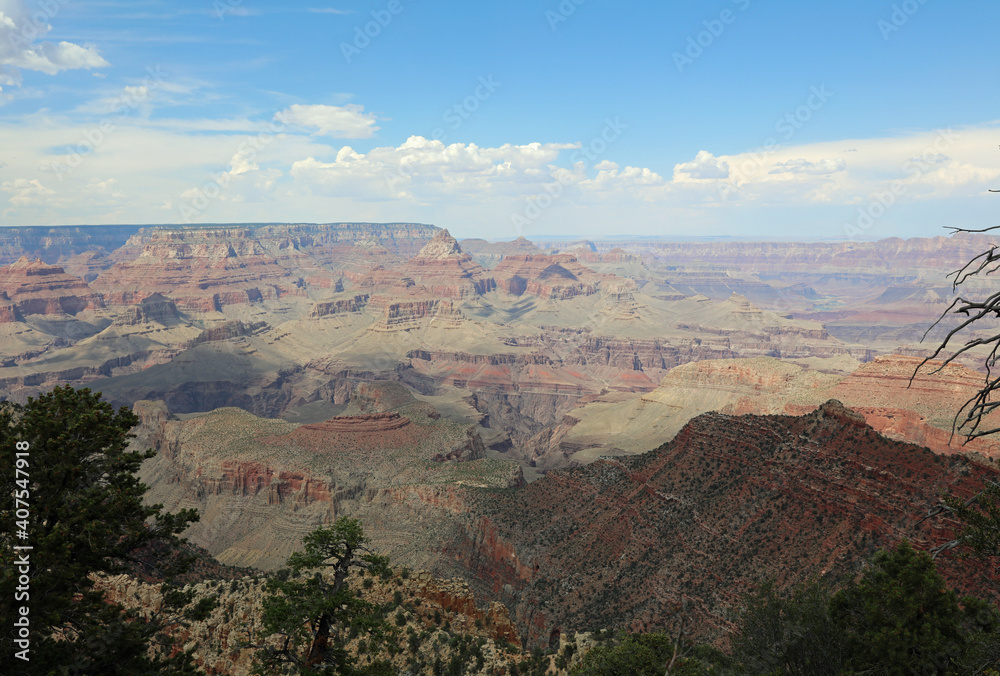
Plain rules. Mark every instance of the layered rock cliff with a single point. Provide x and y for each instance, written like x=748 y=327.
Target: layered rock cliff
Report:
x=36 y=288
x=261 y=484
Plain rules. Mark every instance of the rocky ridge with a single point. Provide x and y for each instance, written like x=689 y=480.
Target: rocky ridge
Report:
x=729 y=502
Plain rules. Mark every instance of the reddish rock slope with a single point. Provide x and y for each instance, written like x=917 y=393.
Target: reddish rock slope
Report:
x=556 y=276
x=442 y=269
x=729 y=502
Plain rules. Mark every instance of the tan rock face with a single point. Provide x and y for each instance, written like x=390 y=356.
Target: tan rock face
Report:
x=880 y=391
x=202 y=270
x=399 y=469
x=34 y=287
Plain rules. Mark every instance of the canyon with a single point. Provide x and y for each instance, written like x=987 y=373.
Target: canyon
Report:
x=551 y=422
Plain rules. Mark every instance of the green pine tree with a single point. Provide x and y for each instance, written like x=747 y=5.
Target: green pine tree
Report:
x=75 y=497
x=311 y=607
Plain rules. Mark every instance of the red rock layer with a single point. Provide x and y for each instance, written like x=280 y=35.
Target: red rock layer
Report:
x=556 y=276
x=248 y=479
x=37 y=288
x=365 y=432
x=407 y=306
x=922 y=411
x=442 y=269
x=361 y=424
x=200 y=269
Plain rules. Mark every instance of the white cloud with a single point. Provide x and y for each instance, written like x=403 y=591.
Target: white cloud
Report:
x=803 y=166
x=158 y=165
x=705 y=166
x=19 y=49
x=348 y=121
x=422 y=168
x=26 y=192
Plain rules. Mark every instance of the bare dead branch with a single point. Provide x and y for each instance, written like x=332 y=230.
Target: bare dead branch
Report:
x=970 y=417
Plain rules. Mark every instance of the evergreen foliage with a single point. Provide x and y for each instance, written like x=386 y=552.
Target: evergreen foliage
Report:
x=85 y=516
x=899 y=618
x=312 y=611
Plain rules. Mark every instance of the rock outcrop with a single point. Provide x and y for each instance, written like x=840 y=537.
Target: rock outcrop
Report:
x=36 y=288
x=345 y=305
x=390 y=461
x=442 y=269
x=557 y=276
x=200 y=269
x=488 y=254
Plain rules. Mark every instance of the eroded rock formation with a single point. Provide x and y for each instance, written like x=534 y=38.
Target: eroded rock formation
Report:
x=36 y=288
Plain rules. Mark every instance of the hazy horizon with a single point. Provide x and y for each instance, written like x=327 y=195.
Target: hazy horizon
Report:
x=566 y=119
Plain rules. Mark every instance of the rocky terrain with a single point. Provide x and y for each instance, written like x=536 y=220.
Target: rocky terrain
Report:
x=35 y=288
x=273 y=318
x=728 y=503
x=920 y=412
x=883 y=293
x=488 y=410
x=538 y=350
x=438 y=614
x=488 y=254
x=261 y=484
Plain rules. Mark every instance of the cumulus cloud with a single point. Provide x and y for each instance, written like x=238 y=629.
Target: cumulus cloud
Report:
x=427 y=167
x=705 y=166
x=26 y=192
x=19 y=49
x=348 y=121
x=804 y=166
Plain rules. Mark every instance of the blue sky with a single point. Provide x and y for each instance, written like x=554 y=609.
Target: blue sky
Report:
x=847 y=120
